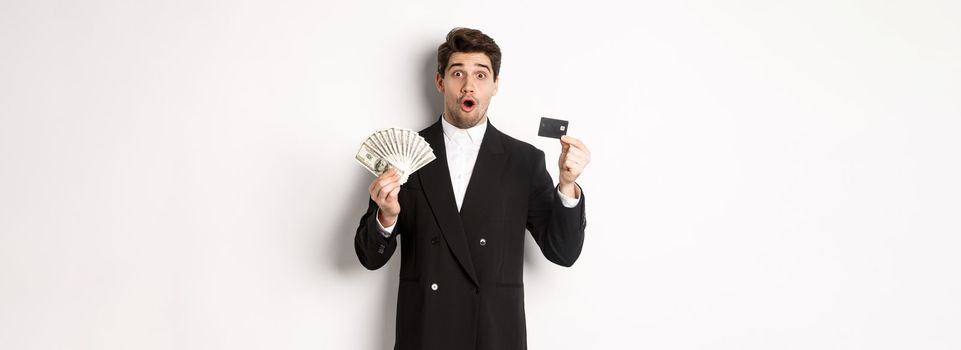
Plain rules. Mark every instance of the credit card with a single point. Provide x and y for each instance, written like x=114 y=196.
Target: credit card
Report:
x=554 y=128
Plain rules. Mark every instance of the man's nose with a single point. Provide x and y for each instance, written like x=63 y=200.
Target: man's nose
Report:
x=468 y=85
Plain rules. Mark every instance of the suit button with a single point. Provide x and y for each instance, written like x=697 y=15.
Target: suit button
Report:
x=433 y=240
x=476 y=290
x=433 y=286
x=483 y=242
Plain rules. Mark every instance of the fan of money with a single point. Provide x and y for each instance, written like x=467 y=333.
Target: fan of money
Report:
x=403 y=149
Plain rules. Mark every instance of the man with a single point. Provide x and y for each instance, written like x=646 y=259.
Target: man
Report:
x=461 y=218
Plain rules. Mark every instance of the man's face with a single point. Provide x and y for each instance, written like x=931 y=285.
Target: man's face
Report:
x=467 y=86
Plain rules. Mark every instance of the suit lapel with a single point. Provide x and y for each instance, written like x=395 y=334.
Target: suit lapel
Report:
x=435 y=180
x=486 y=176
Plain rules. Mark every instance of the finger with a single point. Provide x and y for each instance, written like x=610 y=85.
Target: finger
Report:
x=578 y=154
x=574 y=142
x=382 y=195
x=382 y=200
x=582 y=147
x=375 y=194
x=378 y=184
x=392 y=196
x=383 y=182
x=391 y=171
x=569 y=139
x=573 y=164
x=386 y=189
x=573 y=170
x=574 y=160
x=375 y=186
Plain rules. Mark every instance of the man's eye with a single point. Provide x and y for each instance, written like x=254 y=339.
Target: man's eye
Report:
x=457 y=74
x=481 y=75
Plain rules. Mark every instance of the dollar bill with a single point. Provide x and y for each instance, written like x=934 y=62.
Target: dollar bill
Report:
x=402 y=149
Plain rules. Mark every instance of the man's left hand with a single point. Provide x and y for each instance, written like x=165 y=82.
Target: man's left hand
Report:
x=574 y=158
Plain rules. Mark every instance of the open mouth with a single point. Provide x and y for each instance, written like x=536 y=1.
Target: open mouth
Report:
x=468 y=104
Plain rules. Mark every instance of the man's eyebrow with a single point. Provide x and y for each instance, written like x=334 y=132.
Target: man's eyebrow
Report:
x=476 y=64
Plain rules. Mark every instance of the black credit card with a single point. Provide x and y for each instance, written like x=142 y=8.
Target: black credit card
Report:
x=554 y=128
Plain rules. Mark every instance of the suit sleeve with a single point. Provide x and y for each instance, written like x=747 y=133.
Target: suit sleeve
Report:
x=373 y=249
x=558 y=230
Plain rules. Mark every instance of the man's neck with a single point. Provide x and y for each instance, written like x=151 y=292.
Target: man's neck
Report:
x=474 y=133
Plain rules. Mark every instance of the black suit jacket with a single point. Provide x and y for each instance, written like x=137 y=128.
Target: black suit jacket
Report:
x=461 y=276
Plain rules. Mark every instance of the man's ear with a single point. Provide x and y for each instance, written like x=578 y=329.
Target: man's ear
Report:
x=439 y=82
x=496 y=81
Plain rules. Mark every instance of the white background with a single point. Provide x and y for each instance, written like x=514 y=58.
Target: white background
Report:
x=765 y=175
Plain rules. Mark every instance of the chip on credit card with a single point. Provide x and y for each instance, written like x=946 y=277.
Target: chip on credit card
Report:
x=554 y=128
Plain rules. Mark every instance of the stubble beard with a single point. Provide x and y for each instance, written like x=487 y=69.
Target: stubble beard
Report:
x=457 y=118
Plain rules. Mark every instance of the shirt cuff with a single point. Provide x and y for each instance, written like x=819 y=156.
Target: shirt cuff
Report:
x=384 y=231
x=569 y=202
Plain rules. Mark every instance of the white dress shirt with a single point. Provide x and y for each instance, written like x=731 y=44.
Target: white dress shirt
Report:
x=462 y=148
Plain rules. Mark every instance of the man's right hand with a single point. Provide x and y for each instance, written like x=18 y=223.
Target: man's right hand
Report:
x=384 y=191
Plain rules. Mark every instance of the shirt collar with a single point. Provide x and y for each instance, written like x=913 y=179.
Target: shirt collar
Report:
x=474 y=134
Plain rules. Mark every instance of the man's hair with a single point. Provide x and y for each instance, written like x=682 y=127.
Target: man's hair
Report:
x=468 y=41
